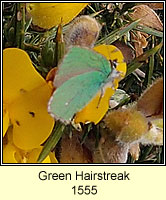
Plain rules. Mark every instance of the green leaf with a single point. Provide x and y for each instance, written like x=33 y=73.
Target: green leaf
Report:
x=149 y=31
x=115 y=35
x=138 y=62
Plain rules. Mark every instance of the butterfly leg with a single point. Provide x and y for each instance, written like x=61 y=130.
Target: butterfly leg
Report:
x=101 y=95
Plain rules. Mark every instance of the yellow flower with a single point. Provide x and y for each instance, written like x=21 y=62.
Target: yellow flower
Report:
x=48 y=15
x=25 y=97
x=95 y=111
x=12 y=154
x=5 y=121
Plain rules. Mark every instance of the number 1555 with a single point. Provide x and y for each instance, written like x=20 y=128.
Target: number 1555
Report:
x=87 y=189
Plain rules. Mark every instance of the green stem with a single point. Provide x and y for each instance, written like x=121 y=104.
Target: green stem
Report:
x=147 y=151
x=60 y=46
x=20 y=26
x=52 y=141
x=31 y=47
x=151 y=65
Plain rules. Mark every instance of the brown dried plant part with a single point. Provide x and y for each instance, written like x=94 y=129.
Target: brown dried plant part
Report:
x=134 y=151
x=110 y=151
x=155 y=6
x=151 y=105
x=73 y=152
x=83 y=31
x=51 y=74
x=111 y=7
x=127 y=52
x=128 y=125
x=125 y=129
x=50 y=78
x=140 y=42
x=151 y=102
x=148 y=17
x=155 y=134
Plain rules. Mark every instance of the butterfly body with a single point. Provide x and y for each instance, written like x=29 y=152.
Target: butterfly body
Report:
x=81 y=76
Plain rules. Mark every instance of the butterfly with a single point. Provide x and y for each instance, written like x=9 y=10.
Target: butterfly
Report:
x=80 y=76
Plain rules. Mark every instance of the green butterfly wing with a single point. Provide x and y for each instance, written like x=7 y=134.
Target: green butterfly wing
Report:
x=74 y=94
x=80 y=60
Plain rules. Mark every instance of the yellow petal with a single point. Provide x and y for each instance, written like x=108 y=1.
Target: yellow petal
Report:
x=53 y=158
x=19 y=75
x=26 y=95
x=97 y=107
x=5 y=120
x=9 y=135
x=34 y=154
x=48 y=15
x=31 y=122
x=9 y=152
x=113 y=53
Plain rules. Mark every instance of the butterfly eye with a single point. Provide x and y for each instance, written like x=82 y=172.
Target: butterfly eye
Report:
x=114 y=63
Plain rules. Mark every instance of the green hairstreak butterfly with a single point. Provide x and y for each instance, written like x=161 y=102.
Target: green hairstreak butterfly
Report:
x=82 y=73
